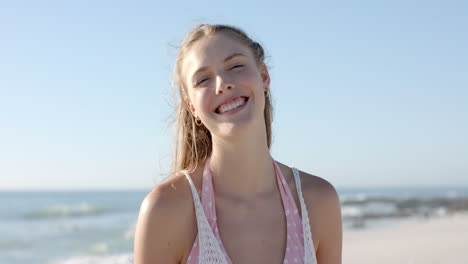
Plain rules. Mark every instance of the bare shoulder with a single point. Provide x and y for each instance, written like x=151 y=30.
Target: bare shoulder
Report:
x=166 y=216
x=321 y=198
x=323 y=206
x=317 y=189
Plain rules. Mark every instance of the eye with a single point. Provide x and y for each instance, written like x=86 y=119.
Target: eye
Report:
x=237 y=66
x=201 y=81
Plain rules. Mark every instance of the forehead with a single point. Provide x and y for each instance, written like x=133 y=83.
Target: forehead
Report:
x=211 y=50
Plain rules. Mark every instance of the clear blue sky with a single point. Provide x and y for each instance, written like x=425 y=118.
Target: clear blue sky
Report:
x=366 y=93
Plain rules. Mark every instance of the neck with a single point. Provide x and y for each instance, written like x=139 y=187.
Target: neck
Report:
x=243 y=169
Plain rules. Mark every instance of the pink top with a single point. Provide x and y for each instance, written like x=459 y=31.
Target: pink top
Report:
x=295 y=241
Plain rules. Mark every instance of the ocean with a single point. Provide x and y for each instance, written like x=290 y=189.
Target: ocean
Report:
x=84 y=227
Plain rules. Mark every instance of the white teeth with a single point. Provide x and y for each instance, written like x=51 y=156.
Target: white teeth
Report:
x=231 y=105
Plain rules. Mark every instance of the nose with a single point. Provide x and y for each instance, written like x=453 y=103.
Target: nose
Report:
x=223 y=83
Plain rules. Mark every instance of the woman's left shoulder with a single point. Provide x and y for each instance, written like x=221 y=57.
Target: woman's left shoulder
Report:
x=317 y=190
x=324 y=209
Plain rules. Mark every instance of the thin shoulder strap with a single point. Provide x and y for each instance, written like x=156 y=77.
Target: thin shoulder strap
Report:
x=210 y=251
x=196 y=198
x=308 y=242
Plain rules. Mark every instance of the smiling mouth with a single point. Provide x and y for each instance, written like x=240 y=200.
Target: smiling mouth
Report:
x=232 y=105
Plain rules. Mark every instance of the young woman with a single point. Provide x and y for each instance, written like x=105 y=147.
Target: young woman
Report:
x=229 y=201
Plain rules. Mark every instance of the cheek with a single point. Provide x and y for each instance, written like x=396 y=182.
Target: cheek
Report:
x=201 y=100
x=252 y=79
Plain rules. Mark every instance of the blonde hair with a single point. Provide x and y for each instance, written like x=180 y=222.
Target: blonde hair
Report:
x=193 y=143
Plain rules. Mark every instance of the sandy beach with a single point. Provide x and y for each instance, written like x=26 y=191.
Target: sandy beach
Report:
x=436 y=240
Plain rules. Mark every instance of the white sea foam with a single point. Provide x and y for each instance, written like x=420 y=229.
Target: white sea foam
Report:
x=376 y=209
x=60 y=211
x=360 y=197
x=112 y=259
x=350 y=211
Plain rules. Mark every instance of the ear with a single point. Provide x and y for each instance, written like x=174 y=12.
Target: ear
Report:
x=190 y=106
x=265 y=75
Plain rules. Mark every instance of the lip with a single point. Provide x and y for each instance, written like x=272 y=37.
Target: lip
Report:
x=229 y=100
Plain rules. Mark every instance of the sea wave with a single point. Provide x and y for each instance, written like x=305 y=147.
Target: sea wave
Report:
x=110 y=259
x=358 y=211
x=64 y=211
x=129 y=234
x=351 y=211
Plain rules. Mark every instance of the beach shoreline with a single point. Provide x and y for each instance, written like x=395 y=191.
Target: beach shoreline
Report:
x=438 y=239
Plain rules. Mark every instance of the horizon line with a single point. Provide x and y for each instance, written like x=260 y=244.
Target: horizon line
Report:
x=148 y=189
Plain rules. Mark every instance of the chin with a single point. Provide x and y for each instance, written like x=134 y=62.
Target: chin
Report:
x=239 y=127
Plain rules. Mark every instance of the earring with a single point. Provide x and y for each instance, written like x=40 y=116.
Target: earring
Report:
x=266 y=92
x=198 y=122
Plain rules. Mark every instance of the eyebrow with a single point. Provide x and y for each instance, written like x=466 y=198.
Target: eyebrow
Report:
x=230 y=57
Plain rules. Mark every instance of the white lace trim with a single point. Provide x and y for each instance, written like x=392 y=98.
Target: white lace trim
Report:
x=210 y=251
x=309 y=257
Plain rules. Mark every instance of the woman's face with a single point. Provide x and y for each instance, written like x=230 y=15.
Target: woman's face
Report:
x=225 y=84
